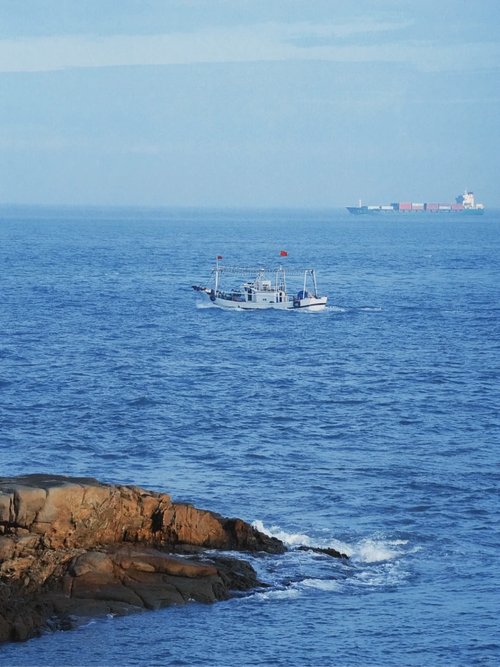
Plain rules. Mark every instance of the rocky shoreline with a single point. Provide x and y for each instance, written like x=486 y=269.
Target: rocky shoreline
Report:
x=73 y=548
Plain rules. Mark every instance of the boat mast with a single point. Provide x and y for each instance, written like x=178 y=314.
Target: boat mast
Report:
x=280 y=279
x=313 y=273
x=216 y=275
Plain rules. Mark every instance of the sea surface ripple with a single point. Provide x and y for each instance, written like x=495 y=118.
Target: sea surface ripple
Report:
x=372 y=426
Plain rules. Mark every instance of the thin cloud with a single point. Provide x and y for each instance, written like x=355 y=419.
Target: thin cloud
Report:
x=265 y=43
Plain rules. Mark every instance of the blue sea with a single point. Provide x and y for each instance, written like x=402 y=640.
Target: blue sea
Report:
x=372 y=426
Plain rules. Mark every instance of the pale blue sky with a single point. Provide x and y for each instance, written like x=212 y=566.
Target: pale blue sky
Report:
x=308 y=103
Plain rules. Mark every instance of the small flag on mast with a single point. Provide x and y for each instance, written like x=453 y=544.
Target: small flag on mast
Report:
x=283 y=253
x=219 y=256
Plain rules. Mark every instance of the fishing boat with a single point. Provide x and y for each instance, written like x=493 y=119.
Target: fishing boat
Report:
x=267 y=290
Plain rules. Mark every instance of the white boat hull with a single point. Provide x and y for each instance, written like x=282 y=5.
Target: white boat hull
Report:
x=312 y=303
x=308 y=303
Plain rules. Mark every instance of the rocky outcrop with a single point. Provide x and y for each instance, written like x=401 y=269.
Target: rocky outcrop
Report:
x=58 y=511
x=327 y=551
x=72 y=547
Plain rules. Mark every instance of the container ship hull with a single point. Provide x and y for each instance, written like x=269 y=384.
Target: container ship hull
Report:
x=464 y=205
x=365 y=210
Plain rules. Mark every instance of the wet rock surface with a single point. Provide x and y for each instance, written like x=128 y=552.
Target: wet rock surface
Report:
x=75 y=547
x=327 y=551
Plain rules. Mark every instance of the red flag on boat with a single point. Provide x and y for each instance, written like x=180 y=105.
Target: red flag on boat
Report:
x=219 y=256
x=283 y=253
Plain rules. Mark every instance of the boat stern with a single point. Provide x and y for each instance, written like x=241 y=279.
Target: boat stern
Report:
x=310 y=302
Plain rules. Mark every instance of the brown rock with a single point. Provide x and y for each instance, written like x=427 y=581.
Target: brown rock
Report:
x=91 y=561
x=5 y=507
x=156 y=594
x=242 y=536
x=27 y=503
x=82 y=512
x=7 y=548
x=151 y=560
x=77 y=547
x=101 y=587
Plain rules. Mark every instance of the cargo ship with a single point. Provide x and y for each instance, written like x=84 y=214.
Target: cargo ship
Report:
x=464 y=205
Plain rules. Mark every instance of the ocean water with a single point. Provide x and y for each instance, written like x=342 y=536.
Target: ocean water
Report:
x=372 y=426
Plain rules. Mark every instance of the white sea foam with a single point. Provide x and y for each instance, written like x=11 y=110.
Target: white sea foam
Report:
x=202 y=305
x=368 y=550
x=375 y=551
x=309 y=311
x=290 y=539
x=279 y=594
x=300 y=539
x=376 y=562
x=381 y=575
x=323 y=584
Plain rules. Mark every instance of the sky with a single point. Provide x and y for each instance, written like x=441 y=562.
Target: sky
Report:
x=248 y=103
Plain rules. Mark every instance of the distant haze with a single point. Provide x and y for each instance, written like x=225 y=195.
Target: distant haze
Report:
x=297 y=103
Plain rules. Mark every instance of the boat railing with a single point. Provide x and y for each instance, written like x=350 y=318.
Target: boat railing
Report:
x=230 y=296
x=260 y=271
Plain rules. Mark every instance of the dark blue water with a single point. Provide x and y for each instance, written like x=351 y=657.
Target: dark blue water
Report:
x=373 y=426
